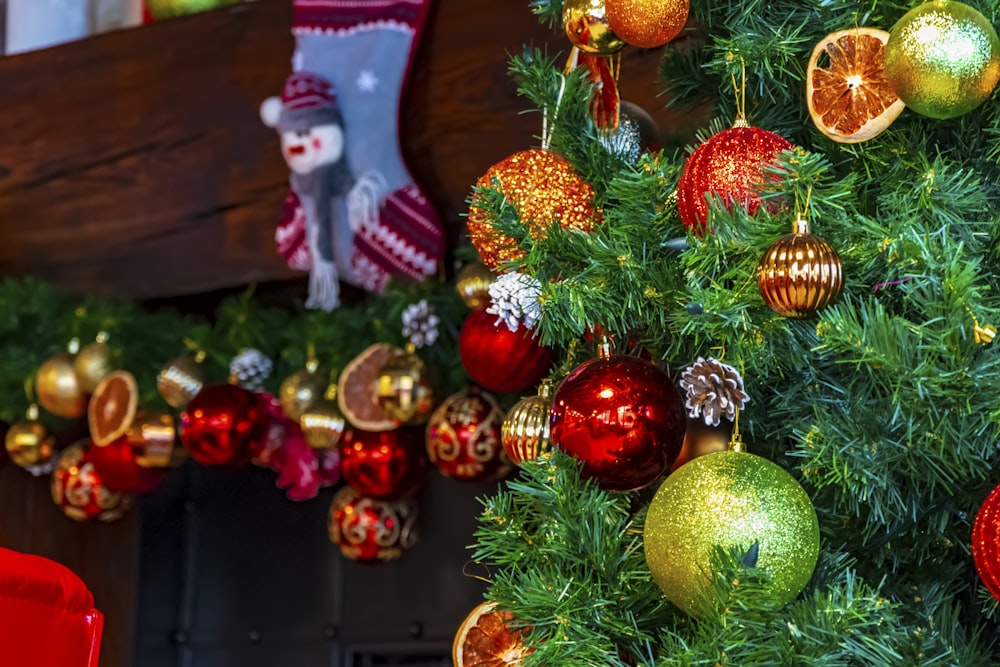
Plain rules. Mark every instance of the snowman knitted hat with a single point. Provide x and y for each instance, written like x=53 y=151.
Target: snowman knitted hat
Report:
x=306 y=101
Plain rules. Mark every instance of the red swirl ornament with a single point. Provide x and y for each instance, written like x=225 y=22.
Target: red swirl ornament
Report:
x=385 y=465
x=499 y=359
x=223 y=425
x=78 y=490
x=463 y=437
x=371 y=531
x=729 y=165
x=986 y=542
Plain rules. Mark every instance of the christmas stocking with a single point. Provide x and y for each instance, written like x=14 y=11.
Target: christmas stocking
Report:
x=365 y=50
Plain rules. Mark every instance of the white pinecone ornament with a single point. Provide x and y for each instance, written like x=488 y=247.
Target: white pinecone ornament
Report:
x=420 y=324
x=713 y=389
x=250 y=368
x=515 y=300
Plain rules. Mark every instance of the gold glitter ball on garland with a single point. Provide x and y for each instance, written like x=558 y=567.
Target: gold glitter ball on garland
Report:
x=733 y=500
x=544 y=189
x=647 y=23
x=943 y=59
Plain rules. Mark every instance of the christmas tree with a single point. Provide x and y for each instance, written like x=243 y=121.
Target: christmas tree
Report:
x=826 y=247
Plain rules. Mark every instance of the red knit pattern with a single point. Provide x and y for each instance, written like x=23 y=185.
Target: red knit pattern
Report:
x=341 y=15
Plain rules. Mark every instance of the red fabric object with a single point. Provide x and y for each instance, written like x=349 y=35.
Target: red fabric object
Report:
x=333 y=16
x=47 y=615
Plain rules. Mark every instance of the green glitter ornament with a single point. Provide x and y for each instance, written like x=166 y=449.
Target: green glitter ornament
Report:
x=165 y=9
x=730 y=499
x=943 y=59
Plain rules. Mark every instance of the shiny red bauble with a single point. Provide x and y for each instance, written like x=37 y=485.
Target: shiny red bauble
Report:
x=371 y=531
x=385 y=465
x=622 y=418
x=223 y=425
x=730 y=166
x=499 y=359
x=79 y=491
x=118 y=465
x=986 y=542
x=463 y=437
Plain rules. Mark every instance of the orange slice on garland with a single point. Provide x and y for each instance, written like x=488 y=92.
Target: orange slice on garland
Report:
x=356 y=395
x=112 y=406
x=486 y=640
x=849 y=98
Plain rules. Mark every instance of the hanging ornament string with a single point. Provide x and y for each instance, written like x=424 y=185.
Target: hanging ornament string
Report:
x=739 y=92
x=801 y=223
x=546 y=129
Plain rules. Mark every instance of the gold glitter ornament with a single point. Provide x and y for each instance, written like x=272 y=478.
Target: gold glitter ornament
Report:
x=28 y=443
x=92 y=363
x=943 y=58
x=734 y=500
x=647 y=23
x=473 y=285
x=544 y=190
x=526 y=427
x=181 y=379
x=301 y=389
x=58 y=388
x=800 y=274
x=586 y=26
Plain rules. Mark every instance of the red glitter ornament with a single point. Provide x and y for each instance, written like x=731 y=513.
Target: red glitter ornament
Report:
x=223 y=425
x=622 y=418
x=986 y=542
x=544 y=189
x=385 y=465
x=499 y=359
x=463 y=437
x=78 y=490
x=371 y=531
x=118 y=465
x=729 y=165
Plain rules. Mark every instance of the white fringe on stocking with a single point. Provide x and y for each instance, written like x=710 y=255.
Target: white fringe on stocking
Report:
x=365 y=199
x=324 y=285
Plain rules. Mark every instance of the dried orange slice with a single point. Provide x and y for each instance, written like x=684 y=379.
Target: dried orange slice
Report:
x=485 y=640
x=356 y=389
x=111 y=410
x=850 y=99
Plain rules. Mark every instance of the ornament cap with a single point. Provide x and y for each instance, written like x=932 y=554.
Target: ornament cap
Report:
x=31 y=414
x=102 y=337
x=604 y=347
x=73 y=346
x=801 y=225
x=545 y=389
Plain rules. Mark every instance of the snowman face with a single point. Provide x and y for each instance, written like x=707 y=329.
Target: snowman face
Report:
x=306 y=150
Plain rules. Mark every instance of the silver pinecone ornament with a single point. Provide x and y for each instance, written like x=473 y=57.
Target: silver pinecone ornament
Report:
x=713 y=389
x=250 y=368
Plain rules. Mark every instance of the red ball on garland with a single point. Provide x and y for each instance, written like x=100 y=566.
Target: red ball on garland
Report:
x=77 y=488
x=385 y=465
x=729 y=165
x=118 y=465
x=223 y=425
x=463 y=437
x=622 y=418
x=986 y=542
x=371 y=531
x=499 y=359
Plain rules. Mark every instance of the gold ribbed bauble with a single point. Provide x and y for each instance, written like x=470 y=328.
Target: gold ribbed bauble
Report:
x=800 y=274
x=58 y=388
x=403 y=390
x=543 y=188
x=301 y=389
x=647 y=23
x=586 y=26
x=473 y=285
x=180 y=380
x=322 y=422
x=153 y=436
x=28 y=443
x=732 y=500
x=943 y=58
x=525 y=429
x=91 y=364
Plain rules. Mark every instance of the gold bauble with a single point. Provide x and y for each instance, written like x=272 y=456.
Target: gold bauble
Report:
x=647 y=23
x=586 y=26
x=701 y=439
x=301 y=389
x=29 y=444
x=323 y=423
x=91 y=364
x=473 y=285
x=402 y=389
x=943 y=58
x=800 y=274
x=58 y=388
x=525 y=429
x=180 y=381
x=153 y=436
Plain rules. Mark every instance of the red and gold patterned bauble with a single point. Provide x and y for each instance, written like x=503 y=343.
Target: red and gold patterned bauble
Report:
x=385 y=465
x=621 y=417
x=117 y=463
x=372 y=531
x=728 y=165
x=77 y=488
x=800 y=274
x=463 y=437
x=647 y=23
x=499 y=359
x=223 y=424
x=544 y=189
x=986 y=542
